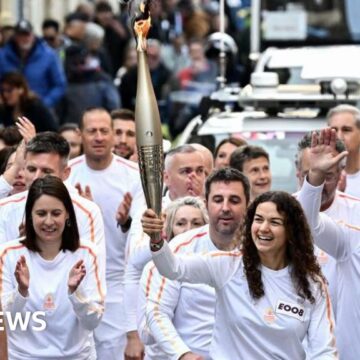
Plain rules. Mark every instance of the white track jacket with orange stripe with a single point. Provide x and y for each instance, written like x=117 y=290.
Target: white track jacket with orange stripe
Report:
x=69 y=319
x=178 y=315
x=343 y=243
x=273 y=326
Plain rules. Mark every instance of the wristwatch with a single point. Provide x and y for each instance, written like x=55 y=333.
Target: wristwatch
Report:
x=156 y=246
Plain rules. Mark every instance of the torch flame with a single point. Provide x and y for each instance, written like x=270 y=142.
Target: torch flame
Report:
x=142 y=24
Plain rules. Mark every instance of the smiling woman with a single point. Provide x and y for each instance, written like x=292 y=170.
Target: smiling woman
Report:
x=271 y=295
x=53 y=273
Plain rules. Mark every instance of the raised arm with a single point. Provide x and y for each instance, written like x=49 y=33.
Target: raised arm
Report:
x=213 y=268
x=333 y=238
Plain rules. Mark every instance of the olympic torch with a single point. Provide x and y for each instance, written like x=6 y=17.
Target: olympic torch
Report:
x=147 y=120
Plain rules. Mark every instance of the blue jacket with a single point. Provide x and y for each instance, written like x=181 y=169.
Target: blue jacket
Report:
x=42 y=69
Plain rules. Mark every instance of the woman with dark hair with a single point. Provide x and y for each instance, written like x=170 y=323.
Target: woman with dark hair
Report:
x=18 y=100
x=271 y=296
x=50 y=272
x=224 y=150
x=7 y=160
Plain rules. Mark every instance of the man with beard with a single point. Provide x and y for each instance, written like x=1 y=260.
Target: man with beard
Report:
x=254 y=162
x=109 y=179
x=124 y=132
x=180 y=316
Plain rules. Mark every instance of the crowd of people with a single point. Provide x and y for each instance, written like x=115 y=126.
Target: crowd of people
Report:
x=238 y=272
x=90 y=61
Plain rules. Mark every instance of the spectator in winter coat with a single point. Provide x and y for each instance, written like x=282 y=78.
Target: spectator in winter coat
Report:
x=36 y=61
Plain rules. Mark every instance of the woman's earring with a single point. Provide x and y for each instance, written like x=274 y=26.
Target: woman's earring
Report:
x=68 y=222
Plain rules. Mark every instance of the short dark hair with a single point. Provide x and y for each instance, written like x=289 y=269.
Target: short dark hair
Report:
x=123 y=114
x=305 y=142
x=76 y=16
x=10 y=136
x=246 y=153
x=231 y=140
x=226 y=175
x=49 y=142
x=103 y=6
x=52 y=186
x=89 y=110
x=51 y=23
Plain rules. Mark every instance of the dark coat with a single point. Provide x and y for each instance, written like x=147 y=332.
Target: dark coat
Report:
x=35 y=111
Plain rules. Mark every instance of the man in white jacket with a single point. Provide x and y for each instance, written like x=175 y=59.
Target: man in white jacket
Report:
x=47 y=154
x=341 y=241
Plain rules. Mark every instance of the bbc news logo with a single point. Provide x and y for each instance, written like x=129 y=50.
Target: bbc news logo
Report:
x=21 y=321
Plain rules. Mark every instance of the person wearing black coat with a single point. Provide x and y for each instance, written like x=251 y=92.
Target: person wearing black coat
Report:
x=18 y=100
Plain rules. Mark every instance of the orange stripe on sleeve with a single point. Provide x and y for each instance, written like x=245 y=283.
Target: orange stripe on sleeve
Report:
x=156 y=310
x=225 y=253
x=98 y=282
x=148 y=281
x=3 y=255
x=134 y=167
x=189 y=241
x=347 y=196
x=22 y=198
x=328 y=315
x=90 y=217
x=340 y=222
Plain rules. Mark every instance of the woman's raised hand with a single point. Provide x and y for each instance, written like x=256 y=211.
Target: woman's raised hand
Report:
x=22 y=276
x=76 y=275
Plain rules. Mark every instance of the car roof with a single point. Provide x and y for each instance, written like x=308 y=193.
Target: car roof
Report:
x=314 y=61
x=257 y=121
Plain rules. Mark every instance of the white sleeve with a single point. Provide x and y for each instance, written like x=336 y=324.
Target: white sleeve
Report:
x=161 y=299
x=320 y=335
x=213 y=268
x=2 y=225
x=131 y=285
x=335 y=239
x=9 y=223
x=99 y=236
x=12 y=301
x=91 y=226
x=88 y=299
x=5 y=187
x=139 y=255
x=138 y=199
x=138 y=243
